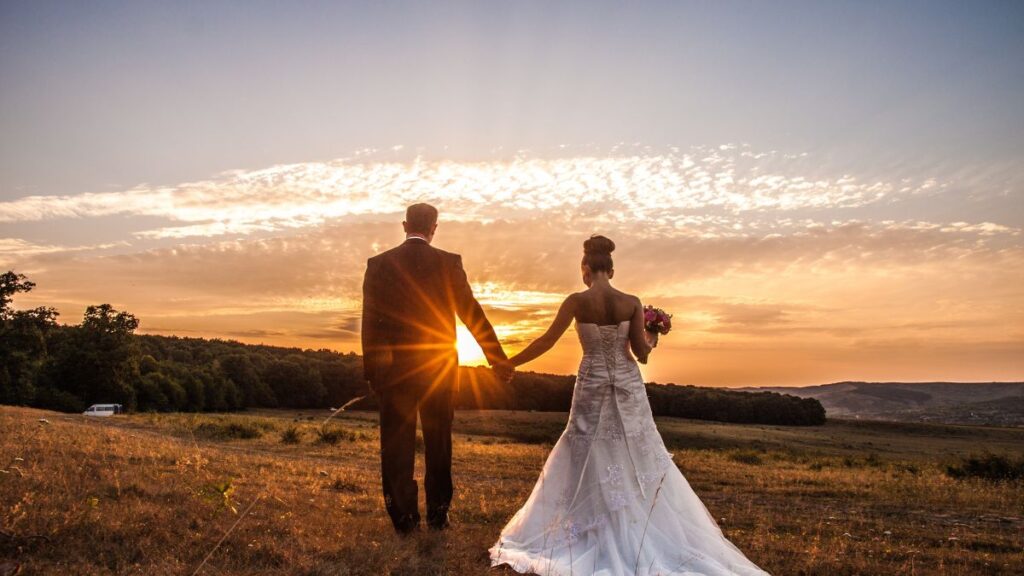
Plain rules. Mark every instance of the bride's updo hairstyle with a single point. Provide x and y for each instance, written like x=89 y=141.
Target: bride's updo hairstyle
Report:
x=597 y=253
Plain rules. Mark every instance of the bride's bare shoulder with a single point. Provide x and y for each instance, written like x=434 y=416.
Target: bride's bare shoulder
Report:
x=627 y=297
x=572 y=299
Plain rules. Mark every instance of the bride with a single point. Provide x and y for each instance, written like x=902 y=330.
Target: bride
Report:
x=610 y=501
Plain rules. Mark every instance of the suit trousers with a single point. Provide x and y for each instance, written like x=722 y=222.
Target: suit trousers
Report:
x=399 y=406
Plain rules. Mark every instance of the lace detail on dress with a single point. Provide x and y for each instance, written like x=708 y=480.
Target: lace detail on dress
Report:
x=614 y=476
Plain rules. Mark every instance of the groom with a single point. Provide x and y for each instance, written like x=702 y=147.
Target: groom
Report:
x=411 y=296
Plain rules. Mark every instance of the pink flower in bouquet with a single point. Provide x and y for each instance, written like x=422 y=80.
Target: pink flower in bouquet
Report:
x=657 y=320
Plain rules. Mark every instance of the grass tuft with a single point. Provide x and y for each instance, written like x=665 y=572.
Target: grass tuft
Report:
x=342 y=485
x=746 y=457
x=334 y=434
x=291 y=435
x=230 y=430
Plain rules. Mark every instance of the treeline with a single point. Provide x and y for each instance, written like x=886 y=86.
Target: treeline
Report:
x=551 y=393
x=101 y=360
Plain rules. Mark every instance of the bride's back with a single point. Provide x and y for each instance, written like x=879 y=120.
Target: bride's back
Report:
x=604 y=306
x=599 y=305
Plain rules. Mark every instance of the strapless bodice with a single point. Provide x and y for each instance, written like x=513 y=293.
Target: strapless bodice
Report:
x=599 y=340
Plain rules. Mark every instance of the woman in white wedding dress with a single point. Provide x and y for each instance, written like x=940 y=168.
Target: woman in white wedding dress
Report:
x=609 y=500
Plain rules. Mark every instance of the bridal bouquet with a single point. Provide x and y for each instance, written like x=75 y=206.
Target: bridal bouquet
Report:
x=656 y=321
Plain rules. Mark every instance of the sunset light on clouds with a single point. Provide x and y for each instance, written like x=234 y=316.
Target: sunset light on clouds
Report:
x=867 y=248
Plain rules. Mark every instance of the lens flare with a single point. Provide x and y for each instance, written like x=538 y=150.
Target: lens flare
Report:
x=470 y=353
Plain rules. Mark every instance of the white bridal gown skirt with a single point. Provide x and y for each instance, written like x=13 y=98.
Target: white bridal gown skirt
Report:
x=609 y=500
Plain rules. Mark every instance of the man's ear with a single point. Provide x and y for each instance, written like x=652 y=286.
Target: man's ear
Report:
x=405 y=226
x=611 y=273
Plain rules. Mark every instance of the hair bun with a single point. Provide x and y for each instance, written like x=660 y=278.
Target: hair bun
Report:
x=598 y=244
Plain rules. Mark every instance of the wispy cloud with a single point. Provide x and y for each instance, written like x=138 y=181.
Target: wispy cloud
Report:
x=14 y=250
x=706 y=188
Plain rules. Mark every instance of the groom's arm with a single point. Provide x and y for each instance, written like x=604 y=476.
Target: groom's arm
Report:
x=472 y=315
x=370 y=332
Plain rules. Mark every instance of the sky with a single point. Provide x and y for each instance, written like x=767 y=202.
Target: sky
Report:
x=817 y=191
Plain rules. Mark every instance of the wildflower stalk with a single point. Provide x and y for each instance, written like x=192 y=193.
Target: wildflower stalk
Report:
x=640 y=548
x=340 y=410
x=230 y=530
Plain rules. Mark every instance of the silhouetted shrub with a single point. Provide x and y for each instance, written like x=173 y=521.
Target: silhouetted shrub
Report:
x=987 y=467
x=332 y=435
x=291 y=435
x=229 y=430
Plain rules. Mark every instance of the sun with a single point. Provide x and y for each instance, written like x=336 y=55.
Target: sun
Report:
x=470 y=353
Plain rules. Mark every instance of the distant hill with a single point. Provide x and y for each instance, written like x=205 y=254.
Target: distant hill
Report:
x=987 y=403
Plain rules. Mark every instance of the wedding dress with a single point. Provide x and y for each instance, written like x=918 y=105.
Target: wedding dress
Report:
x=609 y=500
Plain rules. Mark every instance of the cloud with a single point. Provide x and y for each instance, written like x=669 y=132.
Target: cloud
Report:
x=706 y=188
x=17 y=249
x=750 y=315
x=255 y=333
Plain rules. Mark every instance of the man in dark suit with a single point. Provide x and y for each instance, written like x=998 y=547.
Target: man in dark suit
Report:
x=411 y=296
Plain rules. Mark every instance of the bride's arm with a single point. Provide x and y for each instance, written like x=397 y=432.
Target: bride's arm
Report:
x=548 y=339
x=637 y=338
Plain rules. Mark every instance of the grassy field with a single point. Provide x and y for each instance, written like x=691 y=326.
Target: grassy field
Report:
x=156 y=494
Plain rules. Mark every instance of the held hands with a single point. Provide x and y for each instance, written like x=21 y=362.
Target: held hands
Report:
x=504 y=370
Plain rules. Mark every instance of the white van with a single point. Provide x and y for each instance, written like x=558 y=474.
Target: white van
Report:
x=104 y=410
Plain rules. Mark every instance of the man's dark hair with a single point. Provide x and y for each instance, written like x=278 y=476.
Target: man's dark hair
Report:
x=421 y=218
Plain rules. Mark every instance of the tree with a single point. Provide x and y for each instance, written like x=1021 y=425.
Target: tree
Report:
x=295 y=382
x=10 y=284
x=240 y=369
x=98 y=360
x=149 y=393
x=23 y=341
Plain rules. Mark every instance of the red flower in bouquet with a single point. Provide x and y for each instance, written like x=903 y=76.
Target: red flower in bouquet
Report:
x=657 y=320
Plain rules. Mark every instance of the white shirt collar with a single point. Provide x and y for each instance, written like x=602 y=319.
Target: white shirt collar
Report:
x=417 y=236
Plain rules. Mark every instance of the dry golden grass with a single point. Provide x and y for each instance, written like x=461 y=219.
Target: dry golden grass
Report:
x=154 y=494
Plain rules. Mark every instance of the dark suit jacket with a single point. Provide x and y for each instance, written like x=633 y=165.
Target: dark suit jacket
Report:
x=411 y=296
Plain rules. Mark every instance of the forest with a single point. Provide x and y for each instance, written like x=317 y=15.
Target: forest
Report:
x=67 y=367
